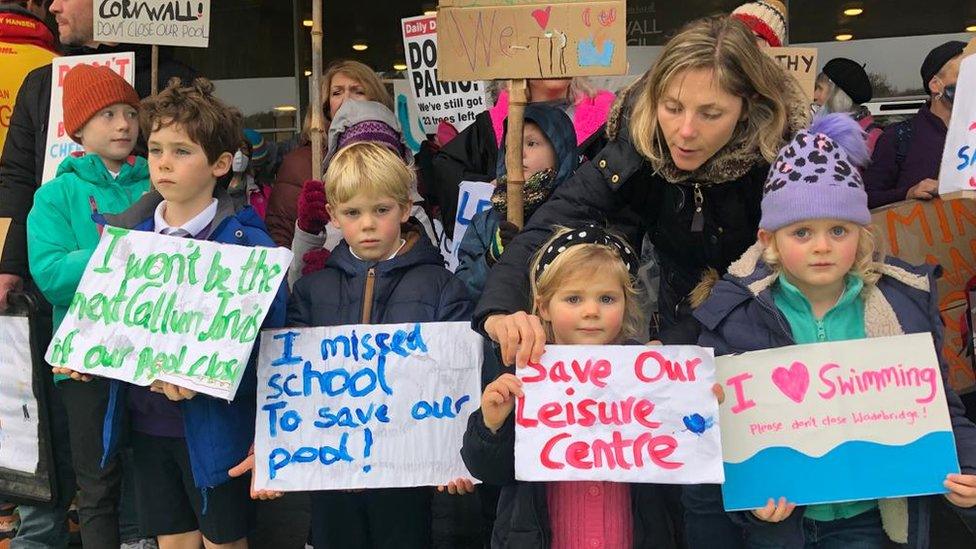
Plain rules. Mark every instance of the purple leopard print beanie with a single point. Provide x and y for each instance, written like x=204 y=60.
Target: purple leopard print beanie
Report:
x=817 y=175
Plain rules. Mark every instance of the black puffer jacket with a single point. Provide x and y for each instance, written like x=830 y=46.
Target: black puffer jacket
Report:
x=618 y=185
x=22 y=162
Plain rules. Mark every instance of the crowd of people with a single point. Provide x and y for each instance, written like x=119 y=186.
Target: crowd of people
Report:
x=711 y=163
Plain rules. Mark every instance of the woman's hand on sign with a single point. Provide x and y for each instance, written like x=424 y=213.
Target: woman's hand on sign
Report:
x=926 y=189
x=77 y=376
x=775 y=512
x=520 y=335
x=247 y=466
x=172 y=392
x=498 y=400
x=458 y=487
x=962 y=490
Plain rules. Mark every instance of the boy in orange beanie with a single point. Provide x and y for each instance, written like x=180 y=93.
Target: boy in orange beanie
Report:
x=63 y=228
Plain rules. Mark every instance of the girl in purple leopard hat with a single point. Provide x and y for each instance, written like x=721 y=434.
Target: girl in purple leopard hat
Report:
x=815 y=275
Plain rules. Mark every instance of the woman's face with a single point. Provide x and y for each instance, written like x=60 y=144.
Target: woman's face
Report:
x=548 y=89
x=341 y=88
x=697 y=117
x=820 y=92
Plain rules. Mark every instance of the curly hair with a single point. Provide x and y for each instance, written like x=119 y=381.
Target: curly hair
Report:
x=207 y=120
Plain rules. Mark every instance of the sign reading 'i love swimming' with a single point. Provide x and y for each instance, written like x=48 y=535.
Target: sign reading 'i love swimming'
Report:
x=832 y=422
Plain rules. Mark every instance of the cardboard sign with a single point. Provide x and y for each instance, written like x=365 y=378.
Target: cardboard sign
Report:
x=180 y=310
x=958 y=170
x=158 y=22
x=619 y=413
x=832 y=422
x=531 y=39
x=456 y=102
x=942 y=232
x=799 y=62
x=474 y=197
x=18 y=407
x=59 y=144
x=372 y=406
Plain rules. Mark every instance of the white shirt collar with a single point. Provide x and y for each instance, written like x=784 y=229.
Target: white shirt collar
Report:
x=192 y=227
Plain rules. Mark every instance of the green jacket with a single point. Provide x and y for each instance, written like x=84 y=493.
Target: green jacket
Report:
x=63 y=227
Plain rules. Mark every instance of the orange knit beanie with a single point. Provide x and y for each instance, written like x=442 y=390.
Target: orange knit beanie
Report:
x=89 y=89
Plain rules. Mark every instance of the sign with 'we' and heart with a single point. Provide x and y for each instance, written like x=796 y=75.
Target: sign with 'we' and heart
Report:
x=831 y=422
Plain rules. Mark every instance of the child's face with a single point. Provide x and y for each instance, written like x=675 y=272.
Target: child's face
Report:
x=584 y=311
x=179 y=168
x=111 y=134
x=370 y=225
x=817 y=253
x=537 y=151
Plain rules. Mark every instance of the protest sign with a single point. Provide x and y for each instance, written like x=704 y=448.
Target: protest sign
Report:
x=619 y=413
x=408 y=115
x=455 y=102
x=371 y=406
x=832 y=422
x=154 y=22
x=958 y=170
x=59 y=143
x=18 y=407
x=799 y=62
x=942 y=232
x=474 y=197
x=180 y=310
x=531 y=38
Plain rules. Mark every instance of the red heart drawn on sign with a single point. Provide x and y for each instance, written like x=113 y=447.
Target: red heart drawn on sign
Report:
x=542 y=17
x=972 y=182
x=793 y=382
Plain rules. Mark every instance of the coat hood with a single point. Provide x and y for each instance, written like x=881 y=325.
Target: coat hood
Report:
x=91 y=168
x=558 y=129
x=732 y=161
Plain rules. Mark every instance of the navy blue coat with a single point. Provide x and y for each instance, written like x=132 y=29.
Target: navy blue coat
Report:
x=414 y=286
x=218 y=433
x=740 y=316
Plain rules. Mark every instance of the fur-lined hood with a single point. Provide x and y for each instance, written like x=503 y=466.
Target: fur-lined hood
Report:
x=733 y=160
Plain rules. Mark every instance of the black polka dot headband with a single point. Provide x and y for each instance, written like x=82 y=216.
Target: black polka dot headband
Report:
x=588 y=234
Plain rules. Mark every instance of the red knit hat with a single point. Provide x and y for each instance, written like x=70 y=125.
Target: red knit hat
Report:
x=766 y=18
x=89 y=89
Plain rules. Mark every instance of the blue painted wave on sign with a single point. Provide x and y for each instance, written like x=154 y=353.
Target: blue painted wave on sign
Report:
x=855 y=470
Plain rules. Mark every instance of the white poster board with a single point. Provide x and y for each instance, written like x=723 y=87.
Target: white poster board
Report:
x=474 y=197
x=619 y=413
x=156 y=22
x=18 y=407
x=958 y=170
x=456 y=102
x=859 y=420
x=408 y=116
x=180 y=310
x=370 y=406
x=59 y=144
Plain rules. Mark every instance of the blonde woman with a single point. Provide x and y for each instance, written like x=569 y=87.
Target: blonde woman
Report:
x=690 y=146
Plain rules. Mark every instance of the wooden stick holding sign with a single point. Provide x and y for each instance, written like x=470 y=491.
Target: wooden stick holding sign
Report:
x=315 y=91
x=154 y=75
x=528 y=39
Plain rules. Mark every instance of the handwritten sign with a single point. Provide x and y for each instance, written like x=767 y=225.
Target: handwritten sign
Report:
x=958 y=170
x=372 y=406
x=833 y=422
x=531 y=39
x=159 y=22
x=620 y=413
x=455 y=102
x=474 y=197
x=18 y=407
x=799 y=62
x=180 y=310
x=59 y=143
x=942 y=232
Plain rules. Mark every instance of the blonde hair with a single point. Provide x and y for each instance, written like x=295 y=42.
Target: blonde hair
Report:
x=374 y=89
x=727 y=47
x=869 y=251
x=367 y=168
x=592 y=260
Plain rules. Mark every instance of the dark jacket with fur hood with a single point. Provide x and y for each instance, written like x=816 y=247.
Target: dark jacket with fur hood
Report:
x=740 y=316
x=622 y=189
